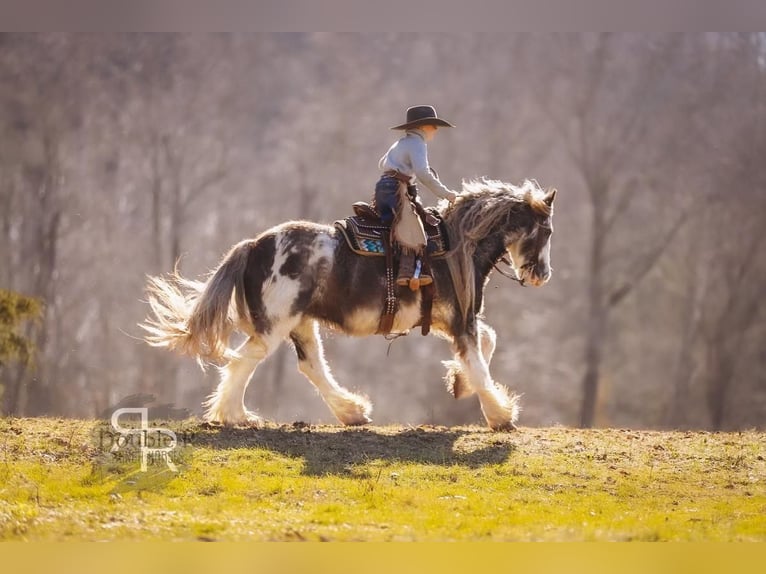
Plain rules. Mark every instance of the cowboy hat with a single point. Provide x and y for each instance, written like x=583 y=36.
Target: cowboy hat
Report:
x=422 y=116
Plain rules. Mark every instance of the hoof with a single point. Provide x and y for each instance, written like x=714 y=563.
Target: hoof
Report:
x=504 y=427
x=502 y=410
x=352 y=410
x=252 y=420
x=248 y=425
x=209 y=425
x=246 y=419
x=357 y=422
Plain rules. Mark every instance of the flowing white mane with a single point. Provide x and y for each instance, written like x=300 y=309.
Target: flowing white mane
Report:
x=479 y=210
x=529 y=191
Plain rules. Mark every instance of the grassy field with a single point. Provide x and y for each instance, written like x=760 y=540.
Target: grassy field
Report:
x=58 y=481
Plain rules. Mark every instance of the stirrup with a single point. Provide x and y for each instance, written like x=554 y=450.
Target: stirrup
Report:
x=415 y=283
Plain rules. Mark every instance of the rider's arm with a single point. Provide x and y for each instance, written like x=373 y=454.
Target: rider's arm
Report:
x=419 y=159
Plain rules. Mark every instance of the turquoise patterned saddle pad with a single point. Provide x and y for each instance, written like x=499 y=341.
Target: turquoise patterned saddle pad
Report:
x=365 y=236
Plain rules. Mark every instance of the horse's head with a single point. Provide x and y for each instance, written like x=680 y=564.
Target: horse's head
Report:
x=491 y=219
x=529 y=237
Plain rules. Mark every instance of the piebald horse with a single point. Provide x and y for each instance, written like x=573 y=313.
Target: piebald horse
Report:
x=299 y=275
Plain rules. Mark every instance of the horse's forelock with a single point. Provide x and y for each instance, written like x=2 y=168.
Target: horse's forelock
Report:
x=536 y=197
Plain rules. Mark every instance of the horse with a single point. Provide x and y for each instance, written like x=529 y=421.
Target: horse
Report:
x=292 y=278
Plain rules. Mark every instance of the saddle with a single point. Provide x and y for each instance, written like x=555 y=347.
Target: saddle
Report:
x=365 y=233
x=368 y=236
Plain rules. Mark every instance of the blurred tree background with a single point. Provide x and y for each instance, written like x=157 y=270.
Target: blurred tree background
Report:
x=120 y=154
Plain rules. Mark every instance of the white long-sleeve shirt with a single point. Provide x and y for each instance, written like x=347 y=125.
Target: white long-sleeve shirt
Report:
x=409 y=155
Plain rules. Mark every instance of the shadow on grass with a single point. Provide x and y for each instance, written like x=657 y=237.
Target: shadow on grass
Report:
x=332 y=451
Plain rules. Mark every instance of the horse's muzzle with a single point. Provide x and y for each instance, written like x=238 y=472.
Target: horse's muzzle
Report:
x=533 y=277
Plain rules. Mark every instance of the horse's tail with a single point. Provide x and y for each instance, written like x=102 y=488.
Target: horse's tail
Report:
x=197 y=318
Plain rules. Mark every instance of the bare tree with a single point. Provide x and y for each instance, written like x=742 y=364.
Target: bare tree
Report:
x=607 y=98
x=43 y=117
x=121 y=153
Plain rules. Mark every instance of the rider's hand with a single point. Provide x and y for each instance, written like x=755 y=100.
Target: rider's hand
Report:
x=452 y=197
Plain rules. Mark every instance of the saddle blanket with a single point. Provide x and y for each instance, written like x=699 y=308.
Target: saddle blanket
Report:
x=365 y=236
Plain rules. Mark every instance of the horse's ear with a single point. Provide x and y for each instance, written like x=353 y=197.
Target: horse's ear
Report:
x=550 y=196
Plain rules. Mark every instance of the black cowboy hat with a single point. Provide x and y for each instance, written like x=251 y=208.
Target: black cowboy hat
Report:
x=422 y=116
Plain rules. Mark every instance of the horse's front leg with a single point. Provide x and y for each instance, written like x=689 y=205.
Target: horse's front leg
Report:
x=500 y=408
x=227 y=404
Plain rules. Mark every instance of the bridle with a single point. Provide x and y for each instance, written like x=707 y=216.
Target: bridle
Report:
x=528 y=266
x=515 y=277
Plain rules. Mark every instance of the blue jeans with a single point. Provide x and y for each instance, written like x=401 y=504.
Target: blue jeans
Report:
x=387 y=198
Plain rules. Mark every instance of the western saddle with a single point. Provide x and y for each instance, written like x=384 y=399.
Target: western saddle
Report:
x=368 y=236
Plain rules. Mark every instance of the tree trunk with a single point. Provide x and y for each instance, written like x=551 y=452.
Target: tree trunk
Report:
x=692 y=315
x=594 y=344
x=721 y=370
x=598 y=314
x=6 y=241
x=156 y=190
x=42 y=382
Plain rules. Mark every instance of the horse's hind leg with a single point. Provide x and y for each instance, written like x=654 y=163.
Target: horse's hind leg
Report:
x=227 y=403
x=349 y=408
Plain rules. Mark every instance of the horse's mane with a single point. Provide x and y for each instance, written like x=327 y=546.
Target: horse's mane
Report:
x=478 y=211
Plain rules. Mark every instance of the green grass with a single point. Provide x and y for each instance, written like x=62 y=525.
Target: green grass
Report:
x=384 y=483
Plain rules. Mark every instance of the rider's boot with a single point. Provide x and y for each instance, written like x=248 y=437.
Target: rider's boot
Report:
x=410 y=274
x=406 y=271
